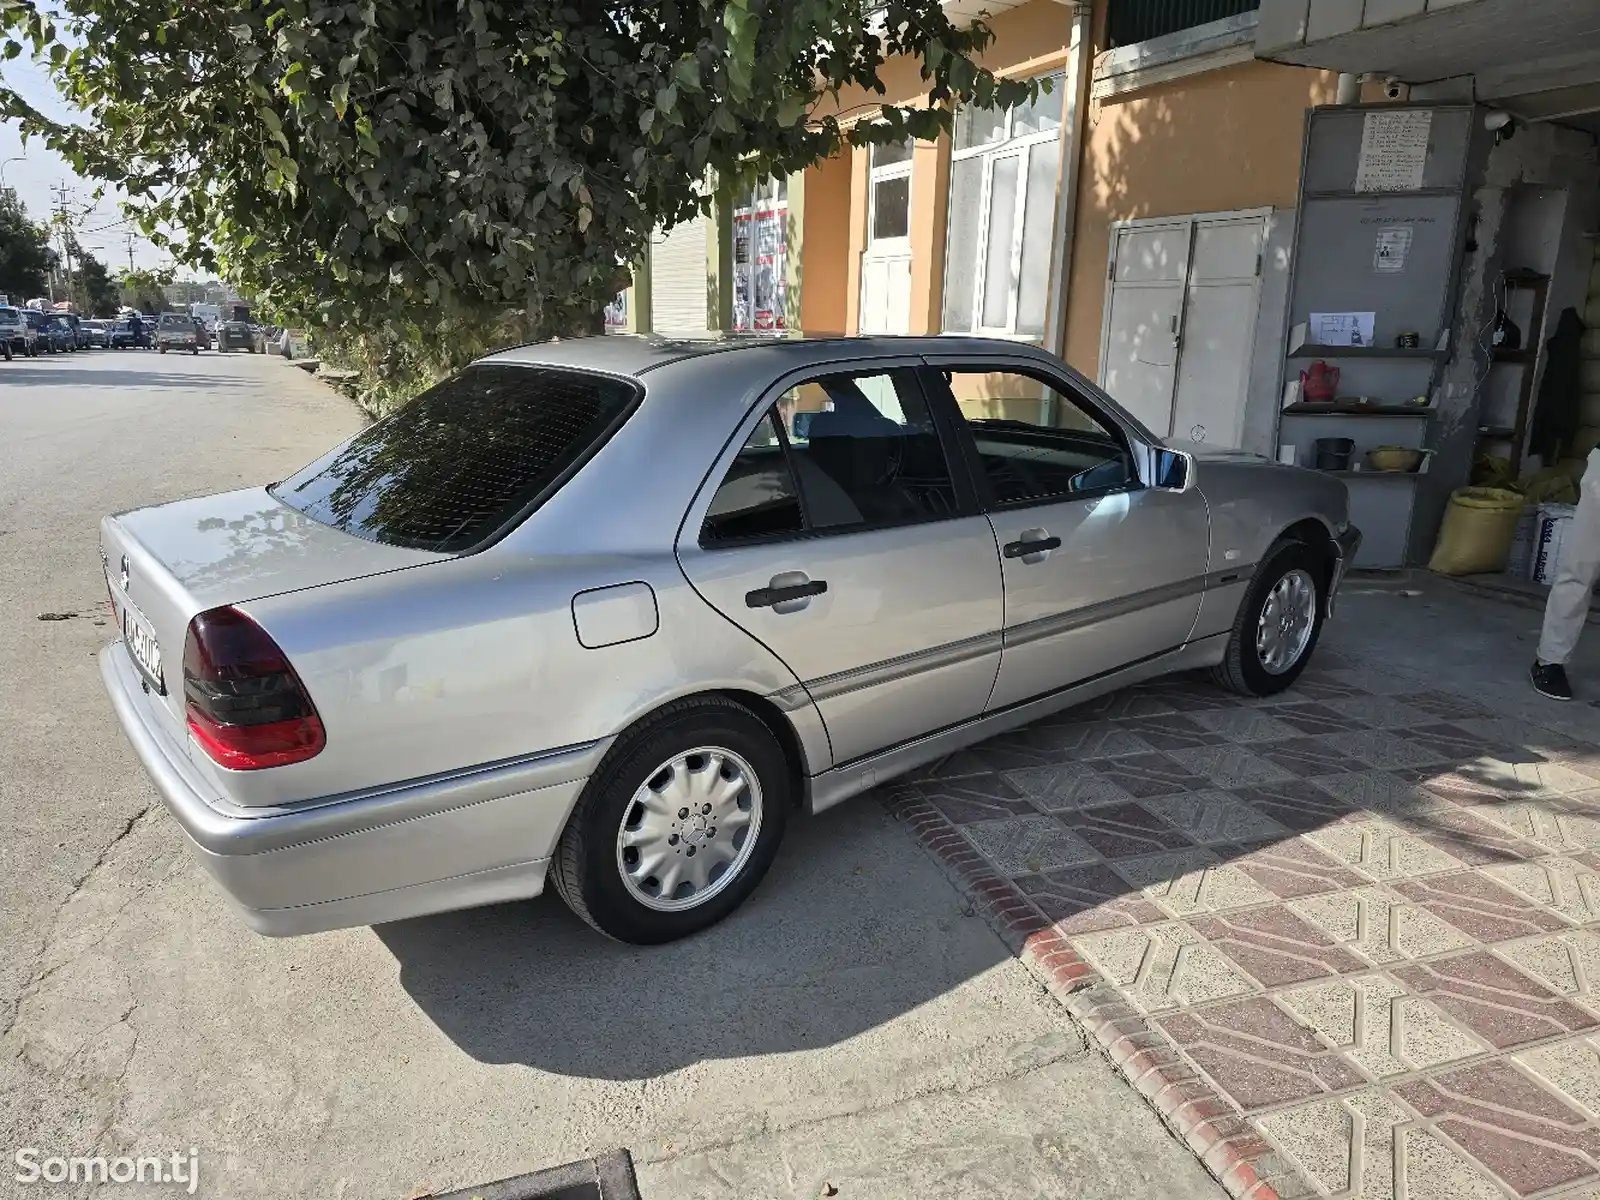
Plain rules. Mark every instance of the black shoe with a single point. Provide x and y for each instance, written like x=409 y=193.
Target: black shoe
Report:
x=1550 y=679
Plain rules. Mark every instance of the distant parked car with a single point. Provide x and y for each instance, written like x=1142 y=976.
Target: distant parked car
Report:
x=177 y=331
x=95 y=333
x=80 y=335
x=63 y=337
x=236 y=335
x=16 y=334
x=203 y=336
x=40 y=324
x=119 y=334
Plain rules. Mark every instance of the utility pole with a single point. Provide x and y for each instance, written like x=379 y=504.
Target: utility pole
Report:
x=63 y=216
x=132 y=237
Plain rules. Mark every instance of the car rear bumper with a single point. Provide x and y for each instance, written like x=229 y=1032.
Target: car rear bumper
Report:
x=473 y=837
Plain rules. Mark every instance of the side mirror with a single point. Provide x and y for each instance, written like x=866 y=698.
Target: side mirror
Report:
x=1174 y=469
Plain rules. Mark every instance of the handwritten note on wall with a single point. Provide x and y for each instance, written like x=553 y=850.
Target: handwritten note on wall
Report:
x=1394 y=149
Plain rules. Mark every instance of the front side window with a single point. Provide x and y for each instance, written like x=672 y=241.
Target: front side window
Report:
x=854 y=451
x=462 y=460
x=1036 y=443
x=1003 y=173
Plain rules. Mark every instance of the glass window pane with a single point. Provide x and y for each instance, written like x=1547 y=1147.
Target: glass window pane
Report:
x=891 y=208
x=894 y=152
x=866 y=452
x=1043 y=113
x=463 y=459
x=997 y=279
x=978 y=126
x=961 y=242
x=1038 y=222
x=758 y=496
x=1035 y=442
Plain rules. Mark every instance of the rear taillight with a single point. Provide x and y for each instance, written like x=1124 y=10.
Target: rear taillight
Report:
x=246 y=706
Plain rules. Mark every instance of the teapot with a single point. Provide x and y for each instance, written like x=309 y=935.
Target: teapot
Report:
x=1319 y=383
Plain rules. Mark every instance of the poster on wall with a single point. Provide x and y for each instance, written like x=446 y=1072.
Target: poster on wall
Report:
x=760 y=272
x=1389 y=254
x=1394 y=150
x=617 y=313
x=1343 y=329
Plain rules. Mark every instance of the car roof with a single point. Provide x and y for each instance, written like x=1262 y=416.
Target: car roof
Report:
x=634 y=354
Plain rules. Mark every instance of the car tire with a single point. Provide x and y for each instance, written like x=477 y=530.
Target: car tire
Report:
x=1273 y=637
x=590 y=865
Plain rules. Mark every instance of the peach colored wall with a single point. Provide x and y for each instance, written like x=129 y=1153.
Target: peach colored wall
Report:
x=930 y=201
x=1212 y=142
x=825 y=247
x=857 y=225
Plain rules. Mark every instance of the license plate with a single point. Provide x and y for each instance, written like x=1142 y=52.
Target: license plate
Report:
x=143 y=648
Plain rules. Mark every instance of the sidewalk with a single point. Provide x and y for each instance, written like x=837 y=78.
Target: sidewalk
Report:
x=1347 y=939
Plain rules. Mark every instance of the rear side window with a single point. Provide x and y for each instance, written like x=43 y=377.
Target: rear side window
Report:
x=462 y=460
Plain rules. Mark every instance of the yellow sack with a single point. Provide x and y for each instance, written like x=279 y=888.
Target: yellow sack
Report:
x=1475 y=537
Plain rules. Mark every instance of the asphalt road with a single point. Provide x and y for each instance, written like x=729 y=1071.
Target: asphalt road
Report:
x=852 y=1027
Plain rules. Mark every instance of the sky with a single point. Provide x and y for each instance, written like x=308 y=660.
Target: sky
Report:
x=103 y=230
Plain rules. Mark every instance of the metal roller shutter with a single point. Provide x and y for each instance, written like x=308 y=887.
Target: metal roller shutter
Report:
x=678 y=278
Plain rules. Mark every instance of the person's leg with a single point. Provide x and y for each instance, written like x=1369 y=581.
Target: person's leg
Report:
x=1568 y=606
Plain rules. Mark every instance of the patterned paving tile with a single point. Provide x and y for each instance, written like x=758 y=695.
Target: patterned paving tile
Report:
x=1298 y=804
x=1066 y=786
x=1274 y=946
x=1478 y=906
x=1572 y=1067
x=1363 y=1144
x=1192 y=881
x=1563 y=885
x=1381 y=712
x=1312 y=718
x=1245 y=724
x=1380 y=1026
x=1567 y=963
x=1525 y=1134
x=1454 y=744
x=1174 y=731
x=1549 y=822
x=1016 y=750
x=1380 y=926
x=1513 y=732
x=1087 y=898
x=1150 y=775
x=1079 y=740
x=1214 y=816
x=975 y=798
x=1498 y=1003
x=1257 y=1054
x=1370 y=679
x=1229 y=766
x=1524 y=779
x=1130 y=702
x=1293 y=867
x=1306 y=757
x=1322 y=689
x=951 y=766
x=1381 y=851
x=1124 y=830
x=1162 y=966
x=1381 y=793
x=1445 y=706
x=1025 y=845
x=1467 y=837
x=1382 y=748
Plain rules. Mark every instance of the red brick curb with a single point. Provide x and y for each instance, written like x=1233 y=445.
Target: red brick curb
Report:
x=1244 y=1162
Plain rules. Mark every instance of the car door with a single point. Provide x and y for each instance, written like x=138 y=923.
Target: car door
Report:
x=1100 y=569
x=835 y=531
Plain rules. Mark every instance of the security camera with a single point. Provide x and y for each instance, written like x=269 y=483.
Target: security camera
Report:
x=1394 y=88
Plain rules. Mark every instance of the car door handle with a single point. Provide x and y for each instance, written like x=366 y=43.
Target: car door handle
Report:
x=1018 y=549
x=770 y=597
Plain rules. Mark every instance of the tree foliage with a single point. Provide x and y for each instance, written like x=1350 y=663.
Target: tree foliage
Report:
x=369 y=159
x=144 y=290
x=25 y=253
x=99 y=289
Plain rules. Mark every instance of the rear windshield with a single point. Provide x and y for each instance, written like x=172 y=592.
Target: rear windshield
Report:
x=464 y=459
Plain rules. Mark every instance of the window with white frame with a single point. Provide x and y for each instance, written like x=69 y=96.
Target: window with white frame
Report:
x=889 y=198
x=1003 y=169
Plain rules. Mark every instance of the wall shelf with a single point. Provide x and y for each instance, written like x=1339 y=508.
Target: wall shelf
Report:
x=1308 y=350
x=1310 y=408
x=1370 y=474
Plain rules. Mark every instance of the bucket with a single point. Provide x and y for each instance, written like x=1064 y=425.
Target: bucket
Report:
x=1333 y=454
x=1553 y=522
x=1479 y=523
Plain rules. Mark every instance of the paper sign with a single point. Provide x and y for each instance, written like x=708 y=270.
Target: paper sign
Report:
x=1389 y=255
x=1394 y=148
x=1343 y=329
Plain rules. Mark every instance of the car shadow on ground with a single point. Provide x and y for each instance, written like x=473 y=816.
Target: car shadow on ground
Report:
x=1125 y=800
x=852 y=927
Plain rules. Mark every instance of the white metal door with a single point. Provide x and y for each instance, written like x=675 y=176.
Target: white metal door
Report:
x=1180 y=322
x=885 y=293
x=678 y=278
x=1218 y=331
x=1144 y=308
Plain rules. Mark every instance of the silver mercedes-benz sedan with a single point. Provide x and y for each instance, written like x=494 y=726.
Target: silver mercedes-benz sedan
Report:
x=607 y=611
